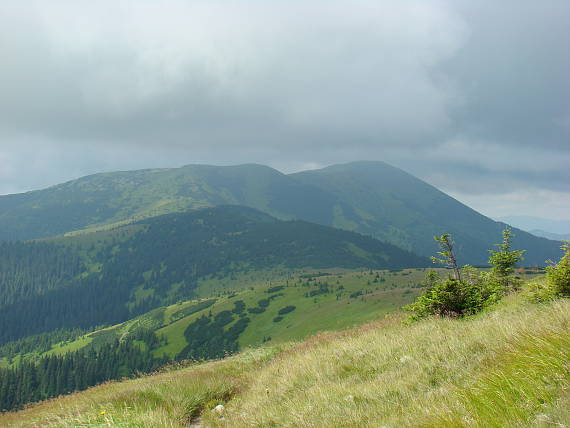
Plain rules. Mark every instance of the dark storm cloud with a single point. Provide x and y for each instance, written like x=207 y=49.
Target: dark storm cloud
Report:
x=472 y=96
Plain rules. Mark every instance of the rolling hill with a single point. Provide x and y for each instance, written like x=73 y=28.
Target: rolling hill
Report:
x=372 y=198
x=120 y=273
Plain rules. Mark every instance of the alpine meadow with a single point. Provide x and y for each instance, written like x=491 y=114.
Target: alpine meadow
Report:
x=284 y=214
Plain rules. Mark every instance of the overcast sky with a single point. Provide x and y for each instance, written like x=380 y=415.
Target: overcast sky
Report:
x=472 y=96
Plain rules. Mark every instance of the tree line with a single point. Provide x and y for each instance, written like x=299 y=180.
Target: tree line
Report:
x=53 y=375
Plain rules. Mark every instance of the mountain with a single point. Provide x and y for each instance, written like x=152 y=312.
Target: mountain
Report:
x=114 y=198
x=397 y=207
x=550 y=235
x=372 y=198
x=110 y=276
x=528 y=223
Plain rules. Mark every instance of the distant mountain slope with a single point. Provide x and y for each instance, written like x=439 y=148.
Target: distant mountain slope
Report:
x=367 y=197
x=116 y=197
x=397 y=207
x=135 y=268
x=528 y=223
x=550 y=235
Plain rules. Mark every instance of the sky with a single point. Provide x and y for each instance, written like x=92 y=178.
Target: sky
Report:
x=472 y=96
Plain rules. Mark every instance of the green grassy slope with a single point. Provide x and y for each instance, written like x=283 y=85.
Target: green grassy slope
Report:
x=160 y=260
x=115 y=198
x=505 y=367
x=368 y=197
x=351 y=298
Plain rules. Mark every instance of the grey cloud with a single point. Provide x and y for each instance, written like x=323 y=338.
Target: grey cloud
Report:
x=471 y=96
x=512 y=70
x=321 y=73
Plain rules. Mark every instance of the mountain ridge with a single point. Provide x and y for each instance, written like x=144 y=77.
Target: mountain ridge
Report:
x=368 y=197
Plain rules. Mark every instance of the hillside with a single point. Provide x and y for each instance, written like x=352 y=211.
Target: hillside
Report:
x=558 y=227
x=127 y=271
x=110 y=198
x=274 y=312
x=550 y=235
x=436 y=373
x=396 y=207
x=372 y=198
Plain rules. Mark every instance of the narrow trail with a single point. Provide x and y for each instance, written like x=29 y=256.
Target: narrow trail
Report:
x=195 y=422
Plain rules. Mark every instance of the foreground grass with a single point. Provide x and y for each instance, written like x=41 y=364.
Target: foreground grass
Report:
x=168 y=399
x=501 y=369
x=504 y=368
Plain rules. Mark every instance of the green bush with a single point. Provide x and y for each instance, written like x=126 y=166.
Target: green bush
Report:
x=558 y=275
x=286 y=310
x=557 y=281
x=454 y=298
x=468 y=291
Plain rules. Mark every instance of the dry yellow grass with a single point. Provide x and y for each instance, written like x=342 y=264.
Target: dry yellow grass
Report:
x=504 y=368
x=164 y=400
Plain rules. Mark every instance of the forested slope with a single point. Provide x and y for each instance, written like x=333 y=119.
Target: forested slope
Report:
x=160 y=260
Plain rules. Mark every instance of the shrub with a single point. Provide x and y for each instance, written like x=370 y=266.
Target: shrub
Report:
x=263 y=303
x=468 y=291
x=239 y=307
x=558 y=276
x=540 y=291
x=277 y=319
x=557 y=279
x=450 y=297
x=286 y=310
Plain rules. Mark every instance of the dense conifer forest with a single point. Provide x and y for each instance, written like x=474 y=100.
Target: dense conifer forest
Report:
x=54 y=375
x=35 y=268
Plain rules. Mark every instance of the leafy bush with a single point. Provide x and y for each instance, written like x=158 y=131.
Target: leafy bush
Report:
x=468 y=291
x=277 y=319
x=558 y=275
x=557 y=282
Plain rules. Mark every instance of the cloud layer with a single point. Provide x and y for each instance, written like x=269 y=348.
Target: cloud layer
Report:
x=472 y=96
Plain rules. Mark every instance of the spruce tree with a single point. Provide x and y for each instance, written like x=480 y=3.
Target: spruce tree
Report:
x=503 y=262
